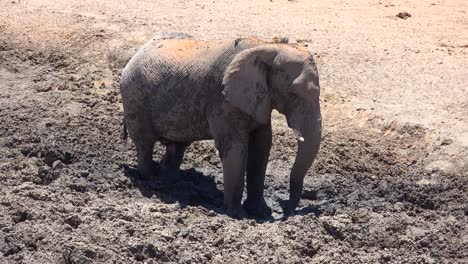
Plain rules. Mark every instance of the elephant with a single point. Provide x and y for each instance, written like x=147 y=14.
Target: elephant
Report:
x=177 y=90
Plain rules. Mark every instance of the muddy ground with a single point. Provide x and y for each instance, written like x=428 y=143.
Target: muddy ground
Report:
x=389 y=185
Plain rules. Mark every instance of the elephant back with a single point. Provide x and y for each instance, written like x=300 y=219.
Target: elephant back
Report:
x=163 y=61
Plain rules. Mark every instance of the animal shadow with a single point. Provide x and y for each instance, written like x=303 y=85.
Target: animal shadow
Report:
x=188 y=187
x=193 y=188
x=309 y=209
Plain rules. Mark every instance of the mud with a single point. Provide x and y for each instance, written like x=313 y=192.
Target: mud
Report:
x=69 y=191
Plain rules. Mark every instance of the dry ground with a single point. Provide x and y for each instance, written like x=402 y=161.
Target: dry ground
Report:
x=389 y=185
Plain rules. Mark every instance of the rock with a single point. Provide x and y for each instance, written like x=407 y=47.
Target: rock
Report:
x=280 y=40
x=399 y=206
x=77 y=256
x=446 y=142
x=58 y=164
x=73 y=221
x=45 y=176
x=51 y=155
x=385 y=257
x=218 y=242
x=89 y=253
x=20 y=216
x=403 y=15
x=334 y=228
x=42 y=88
x=142 y=252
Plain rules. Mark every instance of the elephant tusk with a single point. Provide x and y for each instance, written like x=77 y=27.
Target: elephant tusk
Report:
x=298 y=135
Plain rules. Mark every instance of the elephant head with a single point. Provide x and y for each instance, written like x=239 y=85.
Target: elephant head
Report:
x=285 y=78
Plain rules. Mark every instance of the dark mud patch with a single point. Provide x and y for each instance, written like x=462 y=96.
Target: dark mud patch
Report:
x=69 y=193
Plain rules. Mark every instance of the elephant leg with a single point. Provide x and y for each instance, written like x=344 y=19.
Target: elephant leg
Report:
x=174 y=155
x=259 y=151
x=232 y=145
x=234 y=162
x=141 y=132
x=229 y=129
x=144 y=151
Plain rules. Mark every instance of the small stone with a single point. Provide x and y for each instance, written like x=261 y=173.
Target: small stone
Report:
x=211 y=213
x=403 y=15
x=446 y=142
x=89 y=253
x=20 y=216
x=280 y=40
x=73 y=221
x=399 y=206
x=58 y=164
x=334 y=228
x=42 y=89
x=386 y=257
x=218 y=242
x=209 y=255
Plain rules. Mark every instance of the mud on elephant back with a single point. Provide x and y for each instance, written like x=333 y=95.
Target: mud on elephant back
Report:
x=178 y=90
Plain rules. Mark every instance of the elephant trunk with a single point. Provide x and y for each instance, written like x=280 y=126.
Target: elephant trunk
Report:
x=307 y=130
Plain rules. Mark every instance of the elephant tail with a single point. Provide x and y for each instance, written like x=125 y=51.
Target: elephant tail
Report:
x=125 y=132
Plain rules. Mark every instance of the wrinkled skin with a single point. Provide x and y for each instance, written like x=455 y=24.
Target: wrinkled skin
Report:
x=178 y=90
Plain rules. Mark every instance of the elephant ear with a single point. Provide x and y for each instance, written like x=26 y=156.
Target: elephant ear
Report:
x=245 y=82
x=306 y=85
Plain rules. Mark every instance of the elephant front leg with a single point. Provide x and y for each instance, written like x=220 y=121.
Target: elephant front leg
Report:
x=233 y=153
x=259 y=151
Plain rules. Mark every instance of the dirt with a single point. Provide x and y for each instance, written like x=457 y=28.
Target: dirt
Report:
x=389 y=185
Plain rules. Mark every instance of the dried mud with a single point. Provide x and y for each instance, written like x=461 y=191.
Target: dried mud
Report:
x=70 y=193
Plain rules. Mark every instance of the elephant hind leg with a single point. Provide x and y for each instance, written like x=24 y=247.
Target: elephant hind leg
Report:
x=174 y=155
x=144 y=150
x=140 y=129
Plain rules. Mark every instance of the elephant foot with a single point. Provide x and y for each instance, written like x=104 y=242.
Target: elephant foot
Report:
x=291 y=207
x=288 y=211
x=257 y=208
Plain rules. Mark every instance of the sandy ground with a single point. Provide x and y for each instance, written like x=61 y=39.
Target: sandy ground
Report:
x=389 y=185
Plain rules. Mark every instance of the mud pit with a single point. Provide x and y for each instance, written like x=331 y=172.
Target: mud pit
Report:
x=385 y=188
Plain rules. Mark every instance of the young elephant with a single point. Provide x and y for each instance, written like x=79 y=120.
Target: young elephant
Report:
x=178 y=90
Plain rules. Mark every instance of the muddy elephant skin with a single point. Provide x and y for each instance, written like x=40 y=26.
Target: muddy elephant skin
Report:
x=178 y=90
